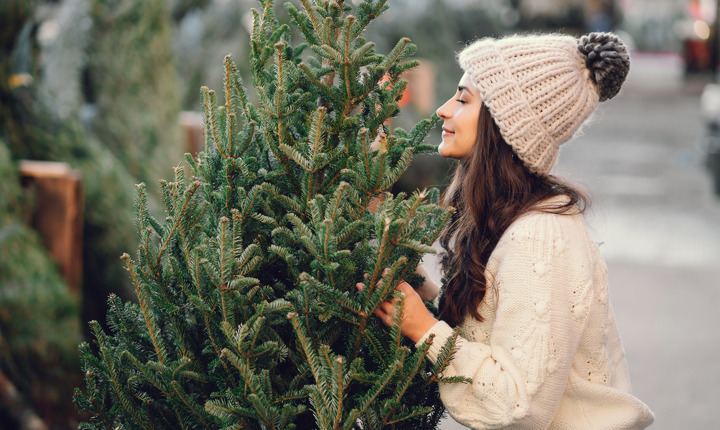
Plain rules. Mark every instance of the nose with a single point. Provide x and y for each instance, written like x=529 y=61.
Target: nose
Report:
x=444 y=110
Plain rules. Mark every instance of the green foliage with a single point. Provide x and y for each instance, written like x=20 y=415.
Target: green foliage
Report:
x=32 y=131
x=247 y=314
x=10 y=193
x=39 y=318
x=132 y=82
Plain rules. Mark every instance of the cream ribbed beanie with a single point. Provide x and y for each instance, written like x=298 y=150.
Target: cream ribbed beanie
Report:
x=541 y=88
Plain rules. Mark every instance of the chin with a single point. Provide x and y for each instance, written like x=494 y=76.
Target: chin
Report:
x=443 y=150
x=445 y=153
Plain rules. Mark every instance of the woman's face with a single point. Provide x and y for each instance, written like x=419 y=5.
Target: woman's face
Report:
x=460 y=120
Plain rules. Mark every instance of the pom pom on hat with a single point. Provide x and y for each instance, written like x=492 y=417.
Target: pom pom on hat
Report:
x=540 y=89
x=608 y=61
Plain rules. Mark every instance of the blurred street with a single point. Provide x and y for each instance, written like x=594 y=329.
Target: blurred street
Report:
x=658 y=223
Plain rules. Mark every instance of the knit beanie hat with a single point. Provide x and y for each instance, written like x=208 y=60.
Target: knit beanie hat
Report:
x=541 y=88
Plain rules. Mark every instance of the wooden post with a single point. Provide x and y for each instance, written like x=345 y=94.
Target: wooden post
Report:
x=57 y=213
x=192 y=125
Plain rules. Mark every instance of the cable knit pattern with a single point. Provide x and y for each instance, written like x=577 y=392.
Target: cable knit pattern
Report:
x=548 y=354
x=540 y=89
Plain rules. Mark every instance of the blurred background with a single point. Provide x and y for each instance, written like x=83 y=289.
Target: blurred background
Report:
x=98 y=95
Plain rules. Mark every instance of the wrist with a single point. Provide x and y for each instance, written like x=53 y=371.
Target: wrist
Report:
x=422 y=328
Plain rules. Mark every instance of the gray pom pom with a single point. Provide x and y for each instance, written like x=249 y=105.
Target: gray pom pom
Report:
x=607 y=59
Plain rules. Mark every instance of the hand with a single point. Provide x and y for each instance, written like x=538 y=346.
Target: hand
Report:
x=429 y=290
x=417 y=320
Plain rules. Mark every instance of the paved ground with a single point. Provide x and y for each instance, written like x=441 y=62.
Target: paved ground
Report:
x=659 y=224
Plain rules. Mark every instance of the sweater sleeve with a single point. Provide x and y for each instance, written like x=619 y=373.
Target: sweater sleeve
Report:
x=541 y=276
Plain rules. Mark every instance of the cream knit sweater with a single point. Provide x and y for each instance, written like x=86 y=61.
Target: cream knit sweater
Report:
x=548 y=354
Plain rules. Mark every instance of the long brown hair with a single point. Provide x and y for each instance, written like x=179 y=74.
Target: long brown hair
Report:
x=490 y=190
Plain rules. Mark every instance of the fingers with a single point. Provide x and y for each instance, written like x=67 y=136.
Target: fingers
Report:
x=384 y=317
x=388 y=307
x=361 y=285
x=385 y=313
x=403 y=287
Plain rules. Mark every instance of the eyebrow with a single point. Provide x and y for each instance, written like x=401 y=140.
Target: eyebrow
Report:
x=462 y=88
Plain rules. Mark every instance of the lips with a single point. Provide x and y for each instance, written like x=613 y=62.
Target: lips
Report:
x=447 y=132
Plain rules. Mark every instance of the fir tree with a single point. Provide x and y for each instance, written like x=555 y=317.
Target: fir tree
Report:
x=129 y=52
x=39 y=318
x=247 y=314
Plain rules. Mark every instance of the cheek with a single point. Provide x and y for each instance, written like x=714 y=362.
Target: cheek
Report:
x=467 y=131
x=465 y=144
x=469 y=122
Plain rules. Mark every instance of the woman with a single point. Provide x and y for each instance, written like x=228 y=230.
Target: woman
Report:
x=523 y=278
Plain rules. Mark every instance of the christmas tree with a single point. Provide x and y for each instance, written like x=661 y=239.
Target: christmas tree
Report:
x=247 y=312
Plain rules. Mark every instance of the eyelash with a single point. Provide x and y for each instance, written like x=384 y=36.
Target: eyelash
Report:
x=461 y=101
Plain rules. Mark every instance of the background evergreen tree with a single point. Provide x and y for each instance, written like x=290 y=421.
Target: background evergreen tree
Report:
x=39 y=317
x=73 y=88
x=128 y=53
x=46 y=59
x=247 y=315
